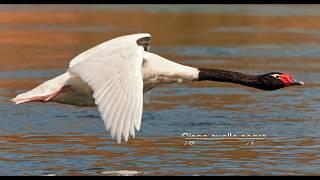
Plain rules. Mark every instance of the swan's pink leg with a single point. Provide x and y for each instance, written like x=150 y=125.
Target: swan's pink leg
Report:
x=44 y=98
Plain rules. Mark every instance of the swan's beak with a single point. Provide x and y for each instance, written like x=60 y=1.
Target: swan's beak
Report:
x=298 y=83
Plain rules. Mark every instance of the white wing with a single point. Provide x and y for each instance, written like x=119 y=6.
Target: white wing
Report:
x=142 y=39
x=113 y=71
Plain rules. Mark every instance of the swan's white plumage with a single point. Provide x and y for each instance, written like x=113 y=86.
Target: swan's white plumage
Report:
x=128 y=40
x=158 y=70
x=113 y=71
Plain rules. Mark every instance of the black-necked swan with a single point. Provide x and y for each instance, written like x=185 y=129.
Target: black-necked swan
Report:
x=115 y=75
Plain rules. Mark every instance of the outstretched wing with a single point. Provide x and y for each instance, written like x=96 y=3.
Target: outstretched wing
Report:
x=113 y=71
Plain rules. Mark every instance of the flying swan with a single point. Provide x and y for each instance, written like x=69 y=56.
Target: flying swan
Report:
x=115 y=75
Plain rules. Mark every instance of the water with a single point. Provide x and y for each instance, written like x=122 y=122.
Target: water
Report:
x=38 y=41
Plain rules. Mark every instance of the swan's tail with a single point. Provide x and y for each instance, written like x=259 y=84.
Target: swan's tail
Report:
x=24 y=98
x=44 y=92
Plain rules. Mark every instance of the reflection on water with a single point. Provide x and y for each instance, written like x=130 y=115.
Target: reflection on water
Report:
x=53 y=139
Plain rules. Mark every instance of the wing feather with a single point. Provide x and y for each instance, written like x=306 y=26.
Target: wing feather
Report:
x=115 y=76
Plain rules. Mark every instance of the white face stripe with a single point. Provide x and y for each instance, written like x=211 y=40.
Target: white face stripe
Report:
x=277 y=76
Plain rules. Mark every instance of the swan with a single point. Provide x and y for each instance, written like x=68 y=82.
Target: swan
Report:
x=116 y=74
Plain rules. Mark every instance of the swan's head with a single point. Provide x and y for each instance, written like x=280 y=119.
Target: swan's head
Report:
x=277 y=80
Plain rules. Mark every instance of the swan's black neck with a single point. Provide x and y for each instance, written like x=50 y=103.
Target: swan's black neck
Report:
x=230 y=76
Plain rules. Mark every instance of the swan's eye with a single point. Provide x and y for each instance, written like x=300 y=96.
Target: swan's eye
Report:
x=277 y=76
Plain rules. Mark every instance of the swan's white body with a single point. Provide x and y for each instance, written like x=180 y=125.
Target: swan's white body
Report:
x=113 y=75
